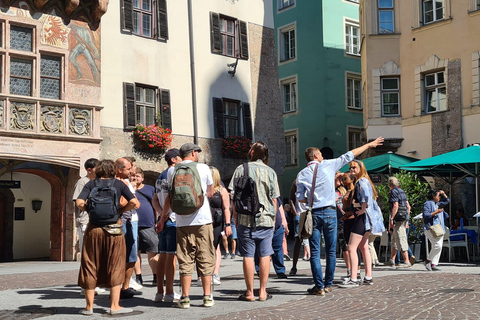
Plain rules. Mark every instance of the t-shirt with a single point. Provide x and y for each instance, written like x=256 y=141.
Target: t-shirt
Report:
x=80 y=216
x=130 y=215
x=146 y=213
x=397 y=195
x=203 y=215
x=161 y=189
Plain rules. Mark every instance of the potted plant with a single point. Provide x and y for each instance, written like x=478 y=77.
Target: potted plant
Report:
x=152 y=138
x=236 y=147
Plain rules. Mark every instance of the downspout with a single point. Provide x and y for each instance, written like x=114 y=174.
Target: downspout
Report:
x=192 y=72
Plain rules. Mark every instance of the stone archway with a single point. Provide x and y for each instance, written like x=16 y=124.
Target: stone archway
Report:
x=7 y=201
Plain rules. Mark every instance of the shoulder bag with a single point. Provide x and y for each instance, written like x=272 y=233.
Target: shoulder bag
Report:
x=437 y=230
x=305 y=226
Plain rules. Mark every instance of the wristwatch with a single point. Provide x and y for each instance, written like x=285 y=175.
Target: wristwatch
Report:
x=228 y=224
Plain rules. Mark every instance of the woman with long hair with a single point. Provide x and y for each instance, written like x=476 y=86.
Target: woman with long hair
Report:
x=367 y=220
x=220 y=207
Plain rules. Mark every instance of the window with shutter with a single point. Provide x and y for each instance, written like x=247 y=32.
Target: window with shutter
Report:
x=145 y=18
x=232 y=118
x=229 y=36
x=162 y=22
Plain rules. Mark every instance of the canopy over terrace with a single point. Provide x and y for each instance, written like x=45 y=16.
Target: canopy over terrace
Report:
x=384 y=163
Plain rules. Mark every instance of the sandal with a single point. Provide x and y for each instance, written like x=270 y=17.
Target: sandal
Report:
x=269 y=296
x=243 y=297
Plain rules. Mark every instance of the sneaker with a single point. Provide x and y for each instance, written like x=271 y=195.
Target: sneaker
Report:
x=225 y=256
x=328 y=289
x=216 y=279
x=126 y=294
x=412 y=260
x=428 y=265
x=139 y=279
x=173 y=297
x=282 y=276
x=134 y=284
x=232 y=256
x=367 y=282
x=286 y=257
x=404 y=265
x=434 y=268
x=349 y=284
x=99 y=290
x=293 y=272
x=208 y=301
x=390 y=263
x=183 y=303
x=316 y=291
x=86 y=312
x=158 y=297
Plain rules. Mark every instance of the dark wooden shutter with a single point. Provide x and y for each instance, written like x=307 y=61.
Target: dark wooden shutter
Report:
x=129 y=108
x=247 y=119
x=162 y=22
x=127 y=15
x=166 y=111
x=215 y=32
x=243 y=39
x=218 y=117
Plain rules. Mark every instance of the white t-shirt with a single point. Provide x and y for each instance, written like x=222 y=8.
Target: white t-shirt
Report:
x=203 y=215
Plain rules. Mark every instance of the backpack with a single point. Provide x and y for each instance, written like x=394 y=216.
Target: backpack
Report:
x=245 y=194
x=102 y=203
x=185 y=190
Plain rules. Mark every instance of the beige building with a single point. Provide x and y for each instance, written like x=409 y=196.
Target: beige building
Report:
x=420 y=74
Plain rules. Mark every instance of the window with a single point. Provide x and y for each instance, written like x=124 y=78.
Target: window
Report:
x=386 y=21
x=228 y=36
x=435 y=92
x=291 y=148
x=146 y=18
x=232 y=118
x=352 y=39
x=354 y=138
x=50 y=77
x=146 y=105
x=433 y=10
x=287 y=43
x=289 y=95
x=282 y=4
x=390 y=96
x=353 y=92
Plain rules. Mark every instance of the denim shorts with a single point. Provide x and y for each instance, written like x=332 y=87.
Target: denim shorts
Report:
x=130 y=231
x=234 y=231
x=167 y=239
x=250 y=239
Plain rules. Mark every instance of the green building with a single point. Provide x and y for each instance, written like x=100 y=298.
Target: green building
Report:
x=318 y=44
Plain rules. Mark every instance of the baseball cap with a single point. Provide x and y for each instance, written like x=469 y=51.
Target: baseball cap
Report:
x=171 y=153
x=187 y=148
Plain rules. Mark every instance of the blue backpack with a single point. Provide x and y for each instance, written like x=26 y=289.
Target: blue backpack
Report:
x=102 y=203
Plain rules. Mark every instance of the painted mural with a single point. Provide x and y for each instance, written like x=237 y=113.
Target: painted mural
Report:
x=54 y=32
x=84 y=58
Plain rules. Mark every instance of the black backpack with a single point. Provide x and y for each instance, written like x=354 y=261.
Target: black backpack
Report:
x=102 y=203
x=245 y=194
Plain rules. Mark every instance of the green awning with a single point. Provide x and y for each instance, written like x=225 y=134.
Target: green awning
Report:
x=384 y=163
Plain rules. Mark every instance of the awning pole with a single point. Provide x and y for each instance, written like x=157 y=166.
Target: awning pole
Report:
x=476 y=188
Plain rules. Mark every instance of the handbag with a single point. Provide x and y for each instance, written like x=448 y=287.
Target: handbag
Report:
x=437 y=230
x=305 y=226
x=402 y=214
x=114 y=229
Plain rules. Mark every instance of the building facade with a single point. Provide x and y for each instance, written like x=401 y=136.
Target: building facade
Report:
x=318 y=45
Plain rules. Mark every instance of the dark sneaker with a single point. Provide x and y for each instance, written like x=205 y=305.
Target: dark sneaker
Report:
x=367 y=282
x=316 y=291
x=293 y=272
x=126 y=294
x=225 y=256
x=282 y=276
x=349 y=284
x=232 y=256
x=428 y=266
x=434 y=268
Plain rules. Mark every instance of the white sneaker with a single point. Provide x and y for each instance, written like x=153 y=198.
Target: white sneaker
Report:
x=171 y=297
x=135 y=285
x=158 y=297
x=99 y=290
x=216 y=279
x=208 y=301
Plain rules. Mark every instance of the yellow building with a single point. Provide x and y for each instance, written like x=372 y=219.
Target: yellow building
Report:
x=420 y=74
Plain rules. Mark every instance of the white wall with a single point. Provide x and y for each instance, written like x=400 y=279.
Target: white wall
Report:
x=417 y=138
x=471 y=129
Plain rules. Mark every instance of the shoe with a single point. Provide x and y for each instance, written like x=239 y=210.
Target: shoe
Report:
x=404 y=265
x=183 y=303
x=232 y=256
x=86 y=312
x=412 y=260
x=208 y=301
x=293 y=272
x=129 y=293
x=349 y=284
x=328 y=289
x=120 y=311
x=282 y=276
x=139 y=279
x=225 y=256
x=158 y=297
x=428 y=265
x=99 y=290
x=173 y=297
x=216 y=279
x=134 y=284
x=316 y=291
x=367 y=282
x=154 y=281
x=434 y=268
x=390 y=263
x=286 y=257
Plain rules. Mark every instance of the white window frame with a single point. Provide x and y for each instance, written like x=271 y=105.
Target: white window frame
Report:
x=435 y=88
x=390 y=91
x=434 y=11
x=292 y=56
x=358 y=141
x=283 y=5
x=293 y=98
x=291 y=148
x=386 y=9
x=351 y=79
x=349 y=27
x=145 y=105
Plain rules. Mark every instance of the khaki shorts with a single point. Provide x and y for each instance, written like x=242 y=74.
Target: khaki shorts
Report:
x=195 y=244
x=399 y=236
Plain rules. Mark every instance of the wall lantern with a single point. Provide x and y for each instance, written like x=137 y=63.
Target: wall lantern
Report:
x=232 y=68
x=36 y=205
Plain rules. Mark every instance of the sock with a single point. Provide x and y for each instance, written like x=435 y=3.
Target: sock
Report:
x=368 y=278
x=356 y=280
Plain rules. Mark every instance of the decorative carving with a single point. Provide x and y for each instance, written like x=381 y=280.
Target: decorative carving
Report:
x=22 y=116
x=80 y=121
x=51 y=119
x=2 y=103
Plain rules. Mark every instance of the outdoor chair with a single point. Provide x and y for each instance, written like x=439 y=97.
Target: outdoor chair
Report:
x=475 y=248
x=450 y=244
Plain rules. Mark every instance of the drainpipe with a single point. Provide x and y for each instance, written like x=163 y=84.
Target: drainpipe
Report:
x=192 y=72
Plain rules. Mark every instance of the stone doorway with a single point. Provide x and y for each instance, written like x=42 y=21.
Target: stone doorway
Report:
x=6 y=225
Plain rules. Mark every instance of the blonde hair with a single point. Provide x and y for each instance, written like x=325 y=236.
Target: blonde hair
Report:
x=216 y=179
x=364 y=174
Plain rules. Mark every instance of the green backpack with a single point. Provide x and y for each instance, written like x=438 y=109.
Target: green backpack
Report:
x=185 y=191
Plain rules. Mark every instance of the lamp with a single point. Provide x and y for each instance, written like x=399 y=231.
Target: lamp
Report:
x=36 y=205
x=232 y=68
